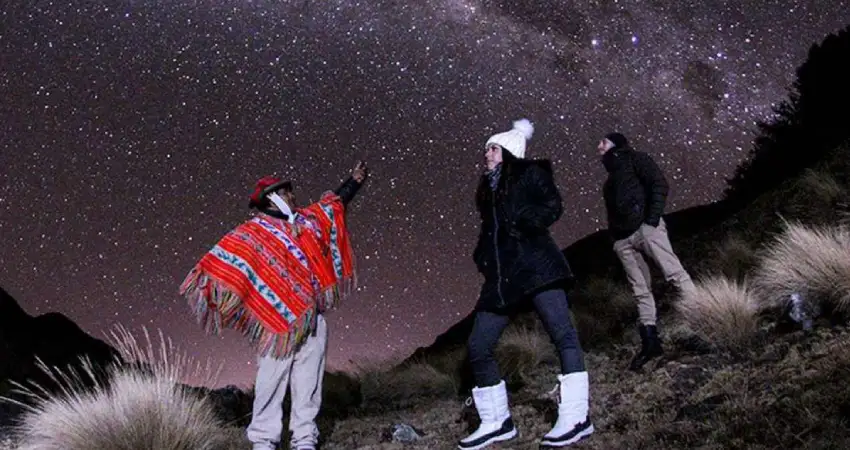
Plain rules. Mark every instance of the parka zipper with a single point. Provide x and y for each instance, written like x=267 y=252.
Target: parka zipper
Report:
x=496 y=251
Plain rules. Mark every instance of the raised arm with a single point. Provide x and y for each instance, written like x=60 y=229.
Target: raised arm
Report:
x=349 y=188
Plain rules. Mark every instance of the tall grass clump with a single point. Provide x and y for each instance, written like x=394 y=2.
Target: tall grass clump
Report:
x=603 y=310
x=340 y=394
x=813 y=261
x=816 y=196
x=522 y=349
x=137 y=406
x=384 y=387
x=822 y=184
x=721 y=312
x=734 y=258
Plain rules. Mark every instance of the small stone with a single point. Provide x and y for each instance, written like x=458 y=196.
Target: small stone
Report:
x=402 y=433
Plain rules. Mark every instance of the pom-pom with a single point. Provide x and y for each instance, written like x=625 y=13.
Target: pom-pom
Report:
x=525 y=127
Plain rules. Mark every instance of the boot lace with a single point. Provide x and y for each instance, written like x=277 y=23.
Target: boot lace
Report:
x=555 y=393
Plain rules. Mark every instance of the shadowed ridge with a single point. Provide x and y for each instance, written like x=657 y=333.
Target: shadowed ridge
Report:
x=51 y=337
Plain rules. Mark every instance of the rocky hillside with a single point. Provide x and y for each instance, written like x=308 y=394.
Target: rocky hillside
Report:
x=796 y=170
x=787 y=393
x=739 y=373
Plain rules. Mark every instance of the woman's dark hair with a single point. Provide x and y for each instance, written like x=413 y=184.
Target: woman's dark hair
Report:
x=508 y=163
x=508 y=157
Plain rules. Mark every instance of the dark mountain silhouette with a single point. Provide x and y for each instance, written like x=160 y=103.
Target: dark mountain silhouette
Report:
x=52 y=337
x=811 y=122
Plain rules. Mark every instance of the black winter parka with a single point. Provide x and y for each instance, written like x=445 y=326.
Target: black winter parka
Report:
x=635 y=191
x=515 y=251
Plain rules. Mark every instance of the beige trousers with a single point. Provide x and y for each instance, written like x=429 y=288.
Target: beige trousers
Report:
x=303 y=373
x=654 y=243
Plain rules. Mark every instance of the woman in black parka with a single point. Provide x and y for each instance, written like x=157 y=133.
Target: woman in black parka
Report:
x=518 y=201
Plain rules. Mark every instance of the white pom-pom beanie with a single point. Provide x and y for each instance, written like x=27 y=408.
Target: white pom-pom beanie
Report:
x=515 y=139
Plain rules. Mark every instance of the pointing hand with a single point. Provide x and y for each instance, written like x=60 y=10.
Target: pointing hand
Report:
x=360 y=172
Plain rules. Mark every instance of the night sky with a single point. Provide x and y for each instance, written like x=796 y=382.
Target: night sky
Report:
x=131 y=135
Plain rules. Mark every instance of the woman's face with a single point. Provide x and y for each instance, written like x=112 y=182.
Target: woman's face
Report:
x=493 y=156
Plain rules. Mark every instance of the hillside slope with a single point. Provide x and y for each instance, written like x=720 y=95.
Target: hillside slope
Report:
x=796 y=170
x=784 y=389
x=753 y=381
x=790 y=393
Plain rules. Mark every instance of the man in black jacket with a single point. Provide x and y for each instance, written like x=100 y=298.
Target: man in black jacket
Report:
x=635 y=195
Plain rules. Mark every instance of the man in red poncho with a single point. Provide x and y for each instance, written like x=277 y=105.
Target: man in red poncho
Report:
x=272 y=278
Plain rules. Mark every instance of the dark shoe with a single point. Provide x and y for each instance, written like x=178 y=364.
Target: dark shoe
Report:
x=650 y=347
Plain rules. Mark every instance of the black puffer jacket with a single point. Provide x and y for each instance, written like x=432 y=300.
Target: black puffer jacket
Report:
x=515 y=252
x=635 y=191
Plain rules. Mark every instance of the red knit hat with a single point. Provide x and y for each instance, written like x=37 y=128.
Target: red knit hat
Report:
x=266 y=186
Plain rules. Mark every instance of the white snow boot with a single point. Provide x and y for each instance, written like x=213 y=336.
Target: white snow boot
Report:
x=496 y=422
x=573 y=422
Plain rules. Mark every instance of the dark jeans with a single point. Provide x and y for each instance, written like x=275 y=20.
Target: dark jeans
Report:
x=554 y=312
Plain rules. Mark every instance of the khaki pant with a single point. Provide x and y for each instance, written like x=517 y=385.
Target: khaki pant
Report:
x=303 y=373
x=655 y=243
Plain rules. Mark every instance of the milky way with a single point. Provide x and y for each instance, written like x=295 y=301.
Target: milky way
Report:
x=131 y=134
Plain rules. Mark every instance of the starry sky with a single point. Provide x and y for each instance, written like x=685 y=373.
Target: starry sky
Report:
x=132 y=132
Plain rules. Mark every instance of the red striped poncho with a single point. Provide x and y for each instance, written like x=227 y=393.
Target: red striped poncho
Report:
x=268 y=280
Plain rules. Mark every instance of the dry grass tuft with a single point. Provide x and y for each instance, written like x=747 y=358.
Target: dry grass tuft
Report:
x=603 y=310
x=449 y=361
x=522 y=349
x=140 y=406
x=814 y=197
x=383 y=387
x=813 y=261
x=340 y=394
x=822 y=184
x=168 y=362
x=721 y=312
x=735 y=258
